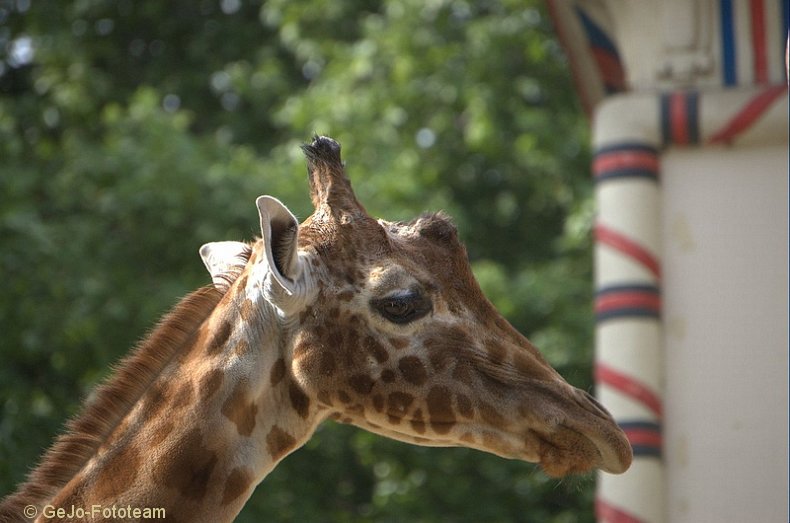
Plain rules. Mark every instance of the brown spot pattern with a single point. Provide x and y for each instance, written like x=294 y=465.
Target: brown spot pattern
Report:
x=463 y=372
x=197 y=339
x=413 y=370
x=239 y=409
x=220 y=337
x=491 y=415
x=399 y=402
x=183 y=396
x=399 y=343
x=345 y=296
x=417 y=423
x=153 y=401
x=248 y=310
x=440 y=358
x=299 y=400
x=351 y=342
x=238 y=482
x=117 y=473
x=161 y=433
x=189 y=467
x=468 y=437
x=445 y=346
x=334 y=340
x=209 y=384
x=361 y=383
x=440 y=410
x=378 y=402
x=465 y=406
x=279 y=442
x=388 y=376
x=326 y=365
x=241 y=348
x=278 y=372
x=374 y=348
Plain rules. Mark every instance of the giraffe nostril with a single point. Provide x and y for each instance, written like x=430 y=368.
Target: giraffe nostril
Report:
x=588 y=400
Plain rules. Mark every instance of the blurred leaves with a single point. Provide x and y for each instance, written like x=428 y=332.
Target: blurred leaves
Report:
x=131 y=132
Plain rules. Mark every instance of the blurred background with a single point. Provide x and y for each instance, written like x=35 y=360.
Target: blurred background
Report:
x=132 y=132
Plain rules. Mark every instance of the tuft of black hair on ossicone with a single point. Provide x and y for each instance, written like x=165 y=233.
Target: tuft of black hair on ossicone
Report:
x=322 y=150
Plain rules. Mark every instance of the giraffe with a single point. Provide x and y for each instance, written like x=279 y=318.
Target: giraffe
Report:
x=373 y=323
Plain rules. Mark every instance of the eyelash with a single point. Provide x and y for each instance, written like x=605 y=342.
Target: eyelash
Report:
x=403 y=307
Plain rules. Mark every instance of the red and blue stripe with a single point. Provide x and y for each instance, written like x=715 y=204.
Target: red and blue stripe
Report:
x=605 y=54
x=680 y=118
x=759 y=31
x=626 y=160
x=645 y=437
x=624 y=301
x=631 y=387
x=605 y=235
x=748 y=115
x=728 y=56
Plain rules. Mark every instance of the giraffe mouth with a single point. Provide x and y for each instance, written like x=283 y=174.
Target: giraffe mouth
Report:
x=600 y=428
x=583 y=437
x=566 y=452
x=569 y=450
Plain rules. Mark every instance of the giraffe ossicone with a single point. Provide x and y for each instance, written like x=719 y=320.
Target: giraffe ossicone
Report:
x=345 y=317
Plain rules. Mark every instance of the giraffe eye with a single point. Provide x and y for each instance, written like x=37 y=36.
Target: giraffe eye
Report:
x=402 y=307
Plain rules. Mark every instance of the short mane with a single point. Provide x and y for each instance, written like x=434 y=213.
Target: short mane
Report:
x=111 y=402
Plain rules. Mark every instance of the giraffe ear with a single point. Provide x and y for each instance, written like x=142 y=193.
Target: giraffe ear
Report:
x=279 y=229
x=224 y=261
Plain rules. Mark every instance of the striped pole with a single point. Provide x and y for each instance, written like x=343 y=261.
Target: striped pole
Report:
x=751 y=38
x=630 y=132
x=626 y=170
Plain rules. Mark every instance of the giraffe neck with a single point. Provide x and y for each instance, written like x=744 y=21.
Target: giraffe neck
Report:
x=210 y=427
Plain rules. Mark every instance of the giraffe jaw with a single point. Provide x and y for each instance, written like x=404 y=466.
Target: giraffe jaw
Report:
x=560 y=452
x=564 y=452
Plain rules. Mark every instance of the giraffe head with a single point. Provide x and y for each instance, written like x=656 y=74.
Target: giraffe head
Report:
x=384 y=327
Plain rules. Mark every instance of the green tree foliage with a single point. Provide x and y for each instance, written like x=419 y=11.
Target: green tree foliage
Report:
x=131 y=132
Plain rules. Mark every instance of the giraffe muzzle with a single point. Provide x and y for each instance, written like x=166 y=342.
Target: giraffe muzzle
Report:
x=598 y=426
